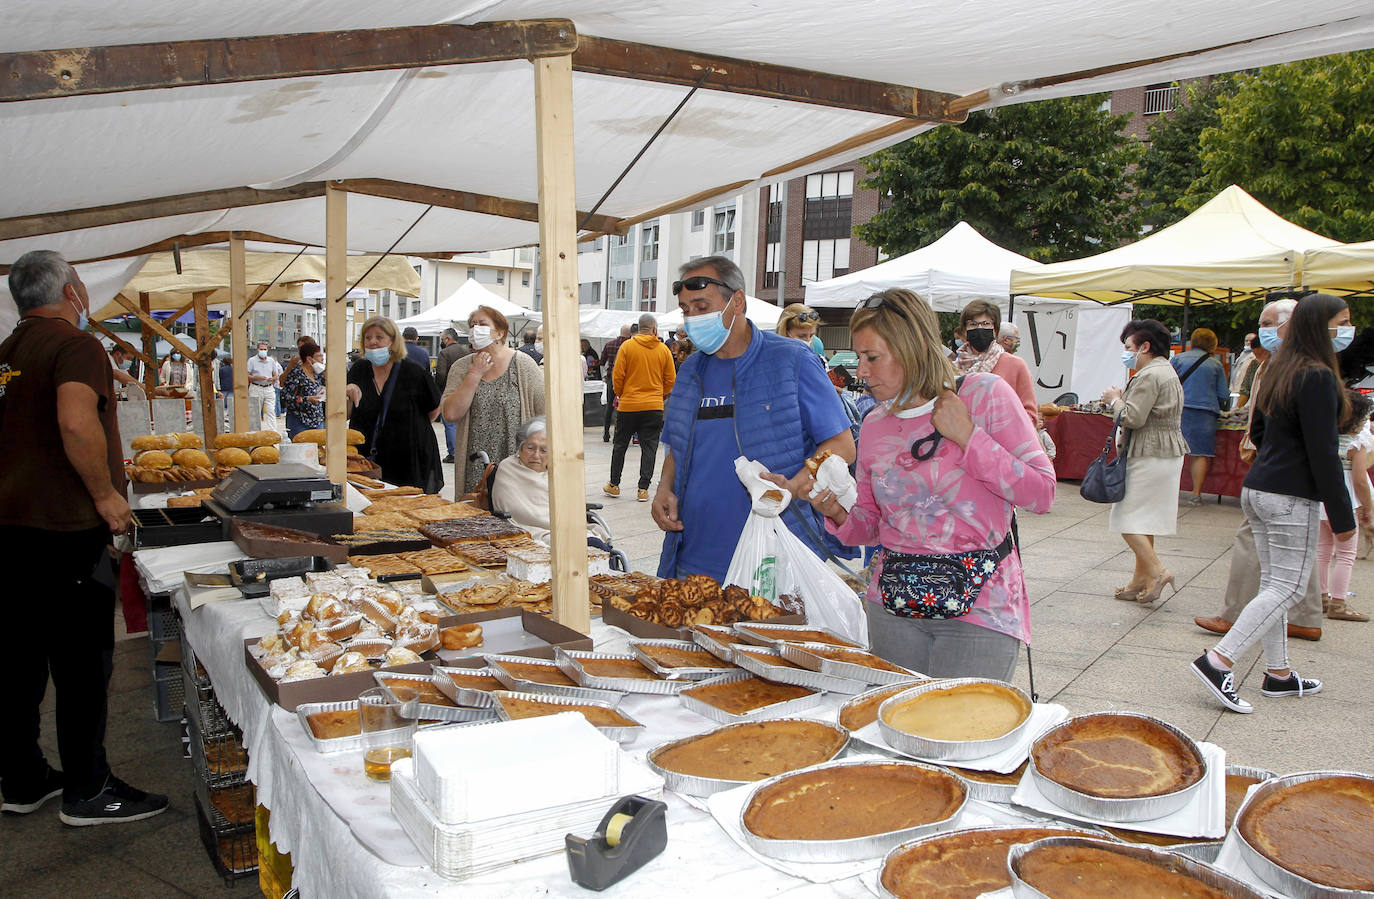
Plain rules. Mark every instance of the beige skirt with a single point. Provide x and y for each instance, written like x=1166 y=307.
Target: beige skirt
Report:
x=1150 y=505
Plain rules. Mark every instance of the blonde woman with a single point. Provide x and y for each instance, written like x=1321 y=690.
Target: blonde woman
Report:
x=392 y=402
x=800 y=322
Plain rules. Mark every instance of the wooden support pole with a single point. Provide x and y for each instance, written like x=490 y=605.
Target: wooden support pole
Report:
x=206 y=388
x=238 y=328
x=553 y=105
x=156 y=326
x=120 y=342
x=145 y=304
x=336 y=340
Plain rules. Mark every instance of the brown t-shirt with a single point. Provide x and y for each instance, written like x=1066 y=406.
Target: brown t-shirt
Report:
x=39 y=488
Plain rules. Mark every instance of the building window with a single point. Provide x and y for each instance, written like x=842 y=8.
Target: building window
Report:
x=524 y=279
x=620 y=294
x=1160 y=98
x=589 y=294
x=770 y=269
x=649 y=244
x=698 y=219
x=472 y=272
x=622 y=251
x=500 y=276
x=824 y=259
x=648 y=293
x=415 y=307
x=723 y=235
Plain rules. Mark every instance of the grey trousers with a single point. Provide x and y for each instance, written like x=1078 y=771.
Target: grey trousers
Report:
x=1244 y=583
x=951 y=648
x=1286 y=539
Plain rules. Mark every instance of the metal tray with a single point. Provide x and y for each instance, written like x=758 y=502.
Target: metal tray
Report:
x=429 y=710
x=854 y=848
x=694 y=785
x=519 y=684
x=682 y=672
x=800 y=677
x=1205 y=850
x=1213 y=877
x=570 y=663
x=720 y=716
x=338 y=744
x=746 y=630
x=801 y=655
x=468 y=696
x=948 y=750
x=868 y=694
x=1275 y=875
x=619 y=734
x=1119 y=811
x=885 y=893
x=988 y=792
x=717 y=648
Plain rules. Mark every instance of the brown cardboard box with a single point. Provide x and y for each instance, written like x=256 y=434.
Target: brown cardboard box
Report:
x=650 y=631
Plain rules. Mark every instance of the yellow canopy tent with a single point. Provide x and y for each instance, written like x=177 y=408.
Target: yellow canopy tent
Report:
x=1342 y=270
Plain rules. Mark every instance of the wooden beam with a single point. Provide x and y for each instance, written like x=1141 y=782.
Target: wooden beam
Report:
x=678 y=205
x=183 y=310
x=336 y=337
x=623 y=59
x=553 y=110
x=120 y=342
x=843 y=147
x=145 y=304
x=155 y=326
x=461 y=199
x=45 y=74
x=238 y=328
x=138 y=210
x=208 y=419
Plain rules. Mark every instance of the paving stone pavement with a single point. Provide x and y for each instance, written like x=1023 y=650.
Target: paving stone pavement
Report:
x=1091 y=652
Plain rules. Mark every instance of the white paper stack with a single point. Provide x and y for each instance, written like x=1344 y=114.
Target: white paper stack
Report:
x=473 y=774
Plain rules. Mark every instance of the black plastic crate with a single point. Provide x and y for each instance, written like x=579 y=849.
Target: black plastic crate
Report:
x=164 y=624
x=176 y=527
x=220 y=760
x=169 y=691
x=234 y=853
x=253 y=577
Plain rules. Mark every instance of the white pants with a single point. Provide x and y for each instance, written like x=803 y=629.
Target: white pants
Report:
x=262 y=408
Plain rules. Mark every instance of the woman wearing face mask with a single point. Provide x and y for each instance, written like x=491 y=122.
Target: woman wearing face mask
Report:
x=178 y=374
x=1294 y=424
x=392 y=402
x=1151 y=408
x=980 y=323
x=943 y=460
x=490 y=392
x=302 y=390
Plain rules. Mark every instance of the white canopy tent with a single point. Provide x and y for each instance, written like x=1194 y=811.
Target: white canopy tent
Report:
x=1343 y=270
x=605 y=324
x=454 y=310
x=961 y=266
x=760 y=312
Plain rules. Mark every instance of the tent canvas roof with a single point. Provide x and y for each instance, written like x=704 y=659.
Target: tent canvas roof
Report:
x=1344 y=269
x=961 y=266
x=1231 y=248
x=453 y=311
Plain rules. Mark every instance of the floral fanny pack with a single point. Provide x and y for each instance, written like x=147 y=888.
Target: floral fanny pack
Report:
x=937 y=587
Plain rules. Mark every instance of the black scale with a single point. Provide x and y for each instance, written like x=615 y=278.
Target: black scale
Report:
x=286 y=495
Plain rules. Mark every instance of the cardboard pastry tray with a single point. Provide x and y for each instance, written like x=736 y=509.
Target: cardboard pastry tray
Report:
x=647 y=629
x=261 y=548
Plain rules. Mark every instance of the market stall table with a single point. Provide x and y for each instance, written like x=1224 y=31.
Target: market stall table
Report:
x=1078 y=439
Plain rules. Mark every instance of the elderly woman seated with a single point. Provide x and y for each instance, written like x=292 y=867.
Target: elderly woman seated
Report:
x=520 y=487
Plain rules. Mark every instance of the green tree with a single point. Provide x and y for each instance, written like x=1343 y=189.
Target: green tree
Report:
x=1048 y=179
x=1172 y=162
x=1300 y=138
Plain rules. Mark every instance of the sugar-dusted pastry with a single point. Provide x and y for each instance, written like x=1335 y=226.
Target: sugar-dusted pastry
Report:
x=461 y=636
x=399 y=655
x=350 y=662
x=303 y=669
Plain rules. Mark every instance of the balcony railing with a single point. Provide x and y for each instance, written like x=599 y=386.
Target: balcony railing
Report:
x=1160 y=99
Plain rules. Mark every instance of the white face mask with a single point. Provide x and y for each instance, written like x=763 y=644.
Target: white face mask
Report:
x=319 y=367
x=480 y=336
x=262 y=354
x=539 y=346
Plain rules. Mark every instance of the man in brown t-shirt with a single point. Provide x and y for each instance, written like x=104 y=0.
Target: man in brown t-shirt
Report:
x=61 y=496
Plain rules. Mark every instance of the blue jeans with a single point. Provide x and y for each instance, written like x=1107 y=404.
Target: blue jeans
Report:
x=450 y=432
x=1286 y=542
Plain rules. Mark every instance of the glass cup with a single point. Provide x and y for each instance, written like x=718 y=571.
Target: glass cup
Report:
x=388 y=727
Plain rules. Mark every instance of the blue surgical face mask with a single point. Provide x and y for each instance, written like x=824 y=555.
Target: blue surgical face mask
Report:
x=1344 y=335
x=176 y=357
x=1128 y=358
x=1269 y=339
x=82 y=318
x=708 y=331
x=379 y=355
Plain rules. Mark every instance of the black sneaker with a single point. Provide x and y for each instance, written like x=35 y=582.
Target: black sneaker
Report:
x=1292 y=685
x=18 y=802
x=1222 y=684
x=115 y=804
x=448 y=459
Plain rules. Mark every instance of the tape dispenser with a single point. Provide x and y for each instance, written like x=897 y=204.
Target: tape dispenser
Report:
x=629 y=835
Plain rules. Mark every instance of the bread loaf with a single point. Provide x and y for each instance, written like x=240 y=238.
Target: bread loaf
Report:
x=232 y=439
x=266 y=455
x=233 y=456
x=352 y=437
x=191 y=458
x=264 y=438
x=187 y=440
x=153 y=459
x=154 y=442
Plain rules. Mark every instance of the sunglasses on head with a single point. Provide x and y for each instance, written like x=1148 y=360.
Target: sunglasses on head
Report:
x=803 y=317
x=878 y=300
x=698 y=282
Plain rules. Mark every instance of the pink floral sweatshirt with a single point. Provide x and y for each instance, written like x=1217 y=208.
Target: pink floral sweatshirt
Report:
x=957 y=500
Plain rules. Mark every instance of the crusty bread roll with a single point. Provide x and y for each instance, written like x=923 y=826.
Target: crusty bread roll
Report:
x=264 y=438
x=311 y=435
x=233 y=456
x=153 y=459
x=232 y=439
x=154 y=442
x=354 y=437
x=266 y=455
x=187 y=440
x=191 y=458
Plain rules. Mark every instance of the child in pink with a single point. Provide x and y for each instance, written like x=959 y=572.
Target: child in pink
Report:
x=1354 y=446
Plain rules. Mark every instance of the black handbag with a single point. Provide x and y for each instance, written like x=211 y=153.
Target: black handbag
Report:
x=1105 y=482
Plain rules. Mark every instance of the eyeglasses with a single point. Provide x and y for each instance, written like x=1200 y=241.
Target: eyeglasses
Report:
x=698 y=282
x=803 y=317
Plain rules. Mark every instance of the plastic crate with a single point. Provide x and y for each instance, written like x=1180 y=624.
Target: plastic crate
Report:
x=220 y=759
x=169 y=691
x=233 y=852
x=164 y=624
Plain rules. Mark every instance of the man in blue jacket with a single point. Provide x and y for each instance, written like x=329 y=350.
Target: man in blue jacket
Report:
x=748 y=392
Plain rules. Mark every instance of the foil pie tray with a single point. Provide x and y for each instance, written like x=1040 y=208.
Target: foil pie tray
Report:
x=695 y=785
x=854 y=848
x=679 y=672
x=570 y=663
x=701 y=635
x=469 y=696
x=337 y=744
x=764 y=635
x=948 y=750
x=1169 y=861
x=868 y=694
x=720 y=716
x=1274 y=874
x=1121 y=811
x=799 y=677
x=1208 y=850
x=619 y=734
x=800 y=654
x=496 y=664
x=430 y=711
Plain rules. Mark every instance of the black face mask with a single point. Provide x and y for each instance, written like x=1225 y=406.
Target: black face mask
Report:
x=980 y=338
